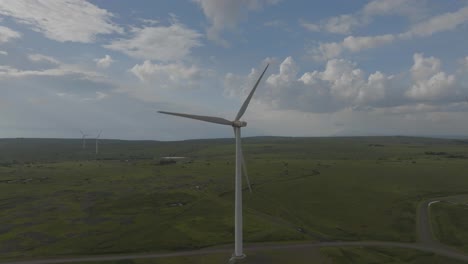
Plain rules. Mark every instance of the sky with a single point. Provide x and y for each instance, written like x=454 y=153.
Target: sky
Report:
x=337 y=68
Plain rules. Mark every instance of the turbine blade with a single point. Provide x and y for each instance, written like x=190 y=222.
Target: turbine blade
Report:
x=244 y=169
x=211 y=119
x=247 y=101
x=99 y=134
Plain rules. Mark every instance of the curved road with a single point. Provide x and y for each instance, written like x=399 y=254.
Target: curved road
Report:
x=426 y=243
x=424 y=223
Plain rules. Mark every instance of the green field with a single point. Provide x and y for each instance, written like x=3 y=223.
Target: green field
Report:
x=57 y=199
x=450 y=223
x=379 y=255
x=307 y=256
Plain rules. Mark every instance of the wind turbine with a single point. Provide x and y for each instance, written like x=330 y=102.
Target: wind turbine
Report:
x=83 y=136
x=97 y=138
x=240 y=163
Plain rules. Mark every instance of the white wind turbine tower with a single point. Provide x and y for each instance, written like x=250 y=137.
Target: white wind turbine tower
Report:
x=97 y=139
x=83 y=136
x=240 y=163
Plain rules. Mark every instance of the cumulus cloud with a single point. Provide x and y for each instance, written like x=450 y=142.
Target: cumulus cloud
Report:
x=429 y=82
x=340 y=85
x=7 y=34
x=104 y=62
x=347 y=83
x=62 y=20
x=163 y=43
x=343 y=85
x=172 y=75
x=226 y=14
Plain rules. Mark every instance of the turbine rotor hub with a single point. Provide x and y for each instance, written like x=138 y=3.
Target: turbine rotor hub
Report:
x=239 y=123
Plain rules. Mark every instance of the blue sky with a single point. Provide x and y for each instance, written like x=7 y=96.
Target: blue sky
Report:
x=376 y=67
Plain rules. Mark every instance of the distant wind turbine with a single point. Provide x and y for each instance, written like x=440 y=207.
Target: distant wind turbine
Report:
x=83 y=136
x=97 y=139
x=240 y=163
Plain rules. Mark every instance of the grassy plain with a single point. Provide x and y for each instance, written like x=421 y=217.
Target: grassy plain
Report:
x=57 y=199
x=450 y=223
x=380 y=255
x=344 y=255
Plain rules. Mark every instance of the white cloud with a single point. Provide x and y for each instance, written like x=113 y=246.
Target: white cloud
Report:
x=104 y=62
x=340 y=85
x=310 y=26
x=275 y=23
x=355 y=44
x=161 y=43
x=429 y=82
x=3 y=52
x=423 y=68
x=346 y=23
x=348 y=83
x=417 y=119
x=435 y=24
x=325 y=51
x=150 y=22
x=280 y=24
x=439 y=23
x=226 y=14
x=7 y=34
x=168 y=76
x=288 y=71
x=101 y=95
x=407 y=109
x=376 y=88
x=42 y=58
x=464 y=63
x=408 y=8
x=97 y=97
x=61 y=70
x=331 y=50
x=342 y=24
x=62 y=20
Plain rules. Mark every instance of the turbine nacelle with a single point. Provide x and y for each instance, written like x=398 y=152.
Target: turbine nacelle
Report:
x=239 y=123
